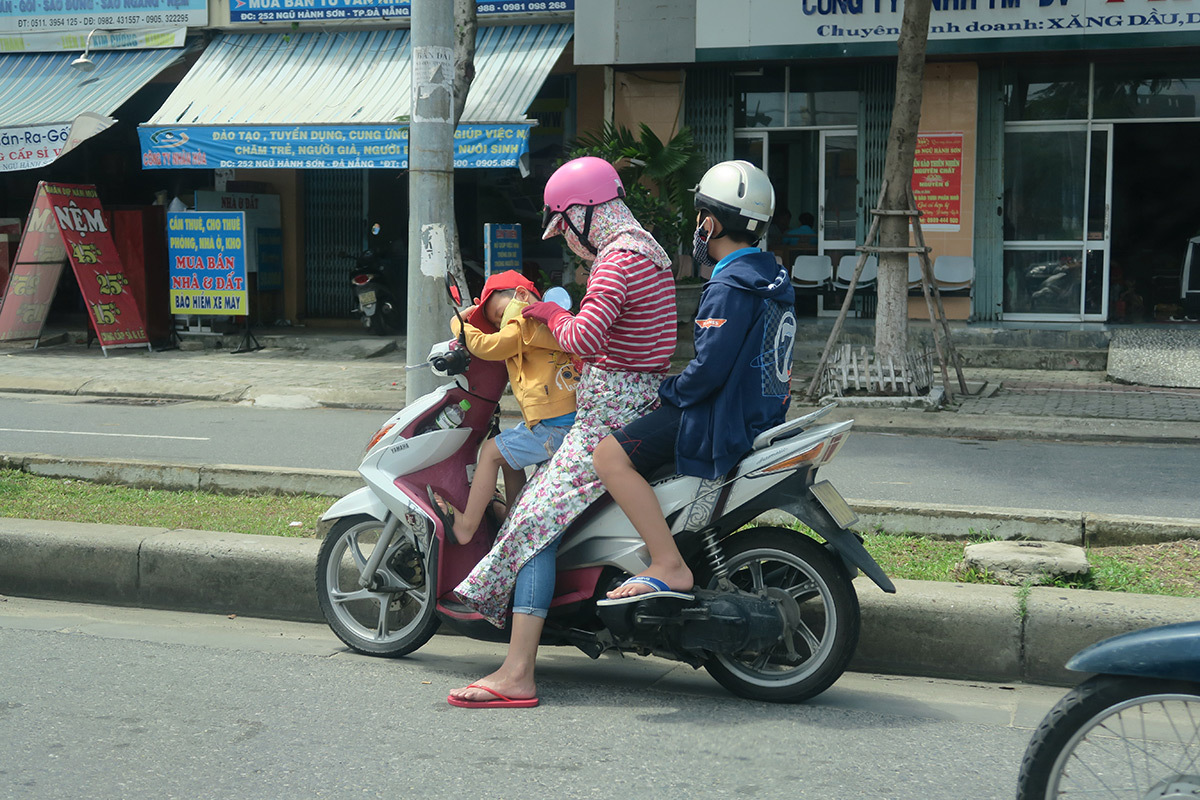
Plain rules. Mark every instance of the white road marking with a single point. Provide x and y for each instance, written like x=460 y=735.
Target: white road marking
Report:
x=125 y=435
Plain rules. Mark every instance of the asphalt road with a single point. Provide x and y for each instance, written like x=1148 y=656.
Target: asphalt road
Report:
x=1157 y=480
x=104 y=703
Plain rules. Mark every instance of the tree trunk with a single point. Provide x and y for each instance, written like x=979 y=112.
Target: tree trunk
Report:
x=465 y=26
x=891 y=315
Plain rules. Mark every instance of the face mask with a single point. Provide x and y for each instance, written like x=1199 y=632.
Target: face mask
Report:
x=700 y=255
x=512 y=311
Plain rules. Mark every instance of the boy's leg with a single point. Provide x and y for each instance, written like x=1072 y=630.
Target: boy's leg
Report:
x=514 y=482
x=636 y=498
x=483 y=489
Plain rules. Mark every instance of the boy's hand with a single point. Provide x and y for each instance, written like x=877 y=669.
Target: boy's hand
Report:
x=549 y=313
x=467 y=312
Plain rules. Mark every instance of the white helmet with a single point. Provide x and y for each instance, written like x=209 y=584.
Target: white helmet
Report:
x=739 y=195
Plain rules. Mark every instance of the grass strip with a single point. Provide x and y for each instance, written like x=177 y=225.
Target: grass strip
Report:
x=33 y=497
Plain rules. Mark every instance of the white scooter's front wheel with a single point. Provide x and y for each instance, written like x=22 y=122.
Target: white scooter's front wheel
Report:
x=391 y=619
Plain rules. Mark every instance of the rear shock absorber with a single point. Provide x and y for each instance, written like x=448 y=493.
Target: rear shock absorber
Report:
x=716 y=557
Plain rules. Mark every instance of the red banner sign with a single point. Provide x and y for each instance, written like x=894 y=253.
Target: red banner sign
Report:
x=937 y=180
x=66 y=223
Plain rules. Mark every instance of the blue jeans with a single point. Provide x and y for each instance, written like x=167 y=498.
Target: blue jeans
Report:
x=535 y=583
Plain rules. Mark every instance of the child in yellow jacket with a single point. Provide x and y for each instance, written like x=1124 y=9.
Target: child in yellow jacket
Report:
x=543 y=379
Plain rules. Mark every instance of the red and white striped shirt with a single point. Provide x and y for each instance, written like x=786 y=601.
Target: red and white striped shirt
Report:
x=626 y=320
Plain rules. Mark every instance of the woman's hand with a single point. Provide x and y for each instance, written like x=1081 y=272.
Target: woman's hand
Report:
x=549 y=313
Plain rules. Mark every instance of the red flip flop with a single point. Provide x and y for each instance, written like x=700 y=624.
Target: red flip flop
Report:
x=500 y=702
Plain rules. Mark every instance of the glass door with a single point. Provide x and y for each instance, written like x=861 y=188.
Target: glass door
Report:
x=1057 y=208
x=837 y=216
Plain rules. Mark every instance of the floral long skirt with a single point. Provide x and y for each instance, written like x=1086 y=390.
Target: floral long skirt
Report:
x=561 y=489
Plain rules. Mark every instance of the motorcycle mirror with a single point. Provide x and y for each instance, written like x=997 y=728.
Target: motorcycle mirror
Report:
x=559 y=295
x=455 y=294
x=375 y=229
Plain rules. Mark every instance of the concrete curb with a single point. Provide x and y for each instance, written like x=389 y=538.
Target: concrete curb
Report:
x=991 y=633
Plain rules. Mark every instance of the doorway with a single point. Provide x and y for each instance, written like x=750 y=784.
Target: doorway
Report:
x=1156 y=210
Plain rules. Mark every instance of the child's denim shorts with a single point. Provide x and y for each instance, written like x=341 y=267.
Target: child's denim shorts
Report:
x=523 y=446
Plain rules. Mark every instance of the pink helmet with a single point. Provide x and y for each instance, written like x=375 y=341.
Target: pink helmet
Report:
x=586 y=181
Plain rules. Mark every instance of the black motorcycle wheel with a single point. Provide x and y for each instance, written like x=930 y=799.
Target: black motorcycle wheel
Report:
x=378 y=623
x=1117 y=737
x=826 y=618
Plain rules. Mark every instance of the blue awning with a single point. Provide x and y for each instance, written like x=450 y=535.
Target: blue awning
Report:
x=341 y=100
x=42 y=97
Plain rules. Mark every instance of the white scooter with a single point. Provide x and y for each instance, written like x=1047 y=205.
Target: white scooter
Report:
x=774 y=617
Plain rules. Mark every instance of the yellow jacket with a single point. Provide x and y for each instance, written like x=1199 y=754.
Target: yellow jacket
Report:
x=543 y=377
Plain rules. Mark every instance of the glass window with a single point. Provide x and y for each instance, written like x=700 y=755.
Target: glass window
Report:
x=1140 y=91
x=1042 y=281
x=822 y=99
x=759 y=99
x=1056 y=92
x=1043 y=185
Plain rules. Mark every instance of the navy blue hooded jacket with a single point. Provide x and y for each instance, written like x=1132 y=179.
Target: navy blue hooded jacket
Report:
x=739 y=383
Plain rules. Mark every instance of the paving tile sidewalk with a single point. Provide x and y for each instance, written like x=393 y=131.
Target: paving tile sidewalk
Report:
x=1087 y=395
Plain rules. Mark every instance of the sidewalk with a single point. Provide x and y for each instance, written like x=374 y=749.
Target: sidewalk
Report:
x=347 y=370
x=950 y=630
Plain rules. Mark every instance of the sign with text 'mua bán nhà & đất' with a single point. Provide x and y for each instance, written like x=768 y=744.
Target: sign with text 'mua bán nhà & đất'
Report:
x=207 y=255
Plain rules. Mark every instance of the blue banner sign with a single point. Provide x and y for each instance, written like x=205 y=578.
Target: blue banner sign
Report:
x=303 y=10
x=206 y=253
x=320 y=146
x=501 y=247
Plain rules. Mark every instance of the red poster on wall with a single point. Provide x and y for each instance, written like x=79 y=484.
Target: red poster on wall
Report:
x=937 y=180
x=66 y=223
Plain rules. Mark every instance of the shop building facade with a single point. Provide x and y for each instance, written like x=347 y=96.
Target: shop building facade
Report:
x=304 y=104
x=1054 y=150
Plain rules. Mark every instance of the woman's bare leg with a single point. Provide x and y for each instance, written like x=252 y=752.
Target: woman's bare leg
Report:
x=514 y=679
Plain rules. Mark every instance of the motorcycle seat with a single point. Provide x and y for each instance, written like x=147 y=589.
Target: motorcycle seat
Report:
x=789 y=428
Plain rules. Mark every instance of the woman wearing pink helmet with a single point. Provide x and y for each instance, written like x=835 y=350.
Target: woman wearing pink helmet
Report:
x=625 y=334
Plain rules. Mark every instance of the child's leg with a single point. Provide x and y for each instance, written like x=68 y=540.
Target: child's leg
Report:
x=637 y=499
x=514 y=482
x=483 y=489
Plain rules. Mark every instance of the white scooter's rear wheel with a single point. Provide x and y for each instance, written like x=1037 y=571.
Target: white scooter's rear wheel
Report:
x=825 y=618
x=380 y=623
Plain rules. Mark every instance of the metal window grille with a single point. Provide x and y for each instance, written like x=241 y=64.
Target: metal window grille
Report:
x=708 y=111
x=334 y=222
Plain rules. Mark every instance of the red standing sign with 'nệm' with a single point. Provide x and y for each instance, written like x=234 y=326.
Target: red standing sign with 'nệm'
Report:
x=67 y=223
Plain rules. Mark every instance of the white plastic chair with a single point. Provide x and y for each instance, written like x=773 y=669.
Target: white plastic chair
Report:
x=953 y=273
x=812 y=272
x=845 y=271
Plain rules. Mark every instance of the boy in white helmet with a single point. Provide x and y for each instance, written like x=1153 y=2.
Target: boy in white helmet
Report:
x=737 y=386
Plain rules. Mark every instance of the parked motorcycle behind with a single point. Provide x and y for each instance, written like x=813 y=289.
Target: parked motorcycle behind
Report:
x=373 y=278
x=774 y=615
x=1131 y=731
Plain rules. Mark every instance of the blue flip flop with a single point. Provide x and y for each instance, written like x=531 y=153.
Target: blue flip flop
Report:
x=660 y=589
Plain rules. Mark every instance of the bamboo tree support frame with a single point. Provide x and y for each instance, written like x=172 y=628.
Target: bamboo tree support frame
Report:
x=937 y=313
